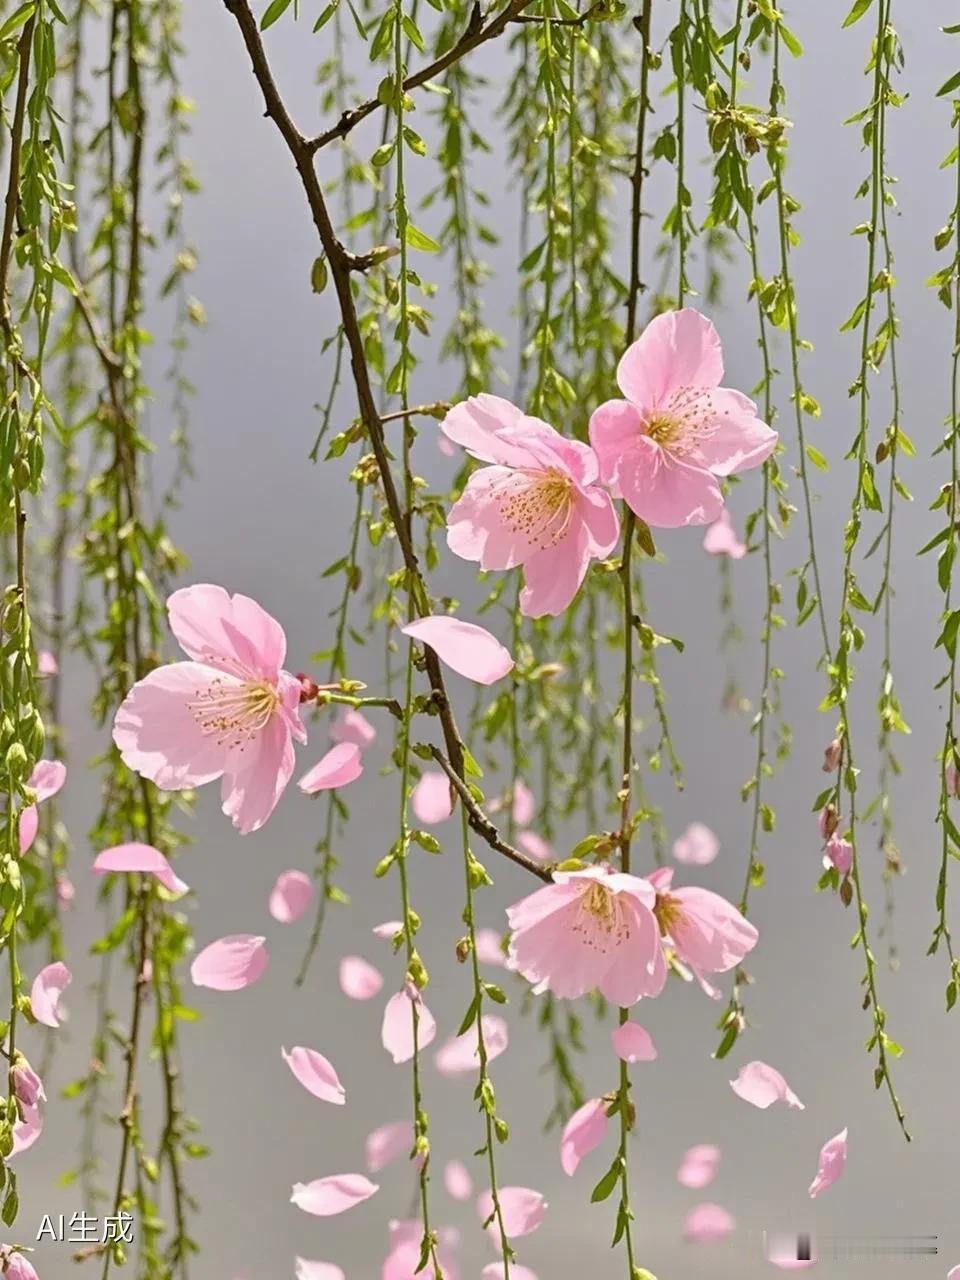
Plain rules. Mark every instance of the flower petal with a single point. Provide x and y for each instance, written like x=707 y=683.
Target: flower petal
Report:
x=255 y=778
x=762 y=1085
x=474 y=424
x=306 y=1270
x=26 y=1131
x=47 y=778
x=739 y=439
x=290 y=896
x=351 y=725
x=665 y=491
x=359 y=980
x=833 y=1160
x=522 y=1209
x=231 y=963
x=28 y=826
x=633 y=1043
x=316 y=1074
x=489 y=948
x=143 y=858
x=708 y=1224
x=676 y=349
x=460 y=1054
x=431 y=798
x=698 y=1168
x=469 y=650
x=396 y=1031
x=388 y=1143
x=553 y=576
x=212 y=626
x=721 y=538
x=698 y=846
x=457 y=1180
x=584 y=1131
x=48 y=986
x=326 y=1197
x=339 y=767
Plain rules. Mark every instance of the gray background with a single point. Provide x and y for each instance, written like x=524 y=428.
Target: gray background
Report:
x=261 y=520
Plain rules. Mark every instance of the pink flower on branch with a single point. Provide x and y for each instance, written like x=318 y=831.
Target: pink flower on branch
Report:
x=664 y=447
x=45 y=781
x=591 y=930
x=230 y=712
x=708 y=933
x=538 y=504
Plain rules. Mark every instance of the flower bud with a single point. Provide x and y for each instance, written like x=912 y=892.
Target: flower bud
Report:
x=953 y=781
x=832 y=755
x=463 y=950
x=27 y=1085
x=839 y=854
x=828 y=821
x=308 y=688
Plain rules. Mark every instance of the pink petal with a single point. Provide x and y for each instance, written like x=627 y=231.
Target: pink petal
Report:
x=524 y=804
x=495 y=1271
x=459 y=1055
x=29 y=825
x=231 y=963
x=665 y=491
x=388 y=930
x=256 y=777
x=339 y=767
x=397 y=1029
x=359 y=980
x=48 y=986
x=535 y=845
x=431 y=798
x=584 y=1131
x=721 y=538
x=762 y=1085
x=143 y=858
x=403 y=1260
x=522 y=1209
x=698 y=846
x=351 y=725
x=553 y=576
x=326 y=1197
x=26 y=1131
x=677 y=349
x=708 y=1224
x=316 y=1074
x=305 y=1270
x=47 y=778
x=489 y=949
x=210 y=624
x=47 y=664
x=457 y=1181
x=290 y=896
x=466 y=648
x=475 y=424
x=633 y=1043
x=737 y=439
x=388 y=1143
x=698 y=1167
x=833 y=1159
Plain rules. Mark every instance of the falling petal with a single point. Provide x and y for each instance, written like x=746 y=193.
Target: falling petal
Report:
x=469 y=650
x=358 y=979
x=833 y=1160
x=397 y=1028
x=708 y=1224
x=431 y=799
x=388 y=930
x=340 y=766
x=522 y=1209
x=143 y=858
x=290 y=896
x=388 y=1143
x=698 y=846
x=584 y=1131
x=460 y=1054
x=489 y=949
x=698 y=1168
x=351 y=725
x=316 y=1074
x=762 y=1085
x=326 y=1197
x=48 y=986
x=633 y=1043
x=457 y=1180
x=231 y=963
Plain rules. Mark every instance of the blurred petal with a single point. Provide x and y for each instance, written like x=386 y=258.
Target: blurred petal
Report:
x=397 y=1028
x=358 y=979
x=231 y=963
x=388 y=1143
x=584 y=1131
x=48 y=986
x=698 y=846
x=316 y=1270
x=633 y=1043
x=523 y=1210
x=457 y=1180
x=460 y=1054
x=431 y=798
x=489 y=949
x=698 y=1168
x=47 y=778
x=351 y=725
x=708 y=1224
x=290 y=896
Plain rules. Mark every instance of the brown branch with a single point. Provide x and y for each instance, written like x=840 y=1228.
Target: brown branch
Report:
x=302 y=152
x=484 y=827
x=478 y=31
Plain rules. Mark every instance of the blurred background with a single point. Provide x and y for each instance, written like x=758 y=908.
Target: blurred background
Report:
x=259 y=518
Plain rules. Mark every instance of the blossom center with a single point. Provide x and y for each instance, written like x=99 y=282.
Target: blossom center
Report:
x=234 y=713
x=684 y=421
x=538 y=505
x=668 y=911
x=601 y=920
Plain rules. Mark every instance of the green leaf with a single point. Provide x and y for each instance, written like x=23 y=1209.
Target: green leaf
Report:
x=949 y=85
x=275 y=9
x=327 y=14
x=817 y=458
x=605 y=1186
x=418 y=239
x=860 y=7
x=791 y=41
x=17 y=19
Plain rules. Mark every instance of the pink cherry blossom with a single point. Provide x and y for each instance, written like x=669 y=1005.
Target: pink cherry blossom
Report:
x=457 y=1180
x=707 y=1224
x=388 y=930
x=721 y=538
x=290 y=896
x=47 y=664
x=489 y=949
x=231 y=963
x=326 y=1197
x=142 y=858
x=47 y=778
x=306 y=1270
x=359 y=980
x=591 y=930
x=16 y=1266
x=396 y=1031
x=633 y=1043
x=27 y=1085
x=48 y=986
x=534 y=844
x=709 y=933
x=833 y=1160
x=838 y=853
x=26 y=1130
x=230 y=712
x=699 y=1167
x=459 y=1055
x=338 y=768
x=404 y=1256
x=663 y=447
x=388 y=1143
x=539 y=505
x=584 y=1131
x=953 y=1273
x=431 y=798
x=762 y=1085
x=316 y=1074
x=469 y=650
x=351 y=725
x=698 y=846
x=521 y=1208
